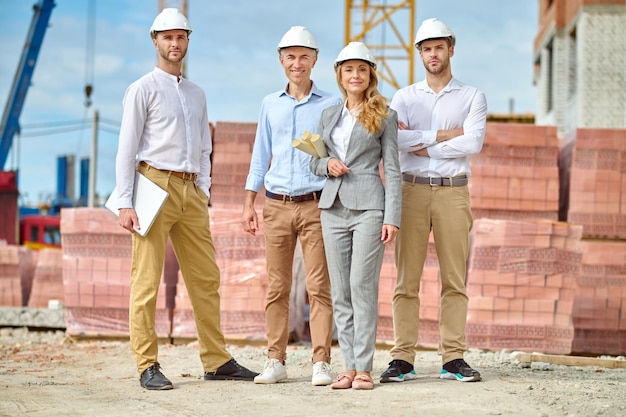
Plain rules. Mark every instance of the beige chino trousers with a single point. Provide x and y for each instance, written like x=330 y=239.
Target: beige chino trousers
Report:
x=184 y=218
x=446 y=211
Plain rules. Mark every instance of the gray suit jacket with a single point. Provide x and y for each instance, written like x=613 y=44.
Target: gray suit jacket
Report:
x=362 y=188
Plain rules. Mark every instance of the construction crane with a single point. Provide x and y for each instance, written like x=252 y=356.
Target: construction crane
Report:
x=21 y=82
x=180 y=5
x=364 y=18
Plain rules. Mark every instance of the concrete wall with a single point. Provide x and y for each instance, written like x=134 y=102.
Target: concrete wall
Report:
x=580 y=55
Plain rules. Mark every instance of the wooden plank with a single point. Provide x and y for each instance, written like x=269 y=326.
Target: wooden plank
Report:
x=571 y=360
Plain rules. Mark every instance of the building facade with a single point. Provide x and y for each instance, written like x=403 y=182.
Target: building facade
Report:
x=580 y=64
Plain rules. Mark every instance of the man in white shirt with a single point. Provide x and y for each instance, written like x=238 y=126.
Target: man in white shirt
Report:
x=165 y=136
x=442 y=122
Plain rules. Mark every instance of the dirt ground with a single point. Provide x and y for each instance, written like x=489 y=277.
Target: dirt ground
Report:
x=49 y=374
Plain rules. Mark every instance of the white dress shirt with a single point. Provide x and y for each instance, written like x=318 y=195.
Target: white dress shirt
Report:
x=165 y=124
x=426 y=112
x=340 y=135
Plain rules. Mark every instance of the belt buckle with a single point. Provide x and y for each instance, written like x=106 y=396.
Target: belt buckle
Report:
x=430 y=181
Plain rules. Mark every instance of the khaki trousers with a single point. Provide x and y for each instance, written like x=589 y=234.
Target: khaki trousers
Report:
x=185 y=219
x=283 y=224
x=446 y=211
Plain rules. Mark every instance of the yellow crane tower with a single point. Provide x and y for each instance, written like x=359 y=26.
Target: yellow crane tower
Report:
x=180 y=5
x=367 y=19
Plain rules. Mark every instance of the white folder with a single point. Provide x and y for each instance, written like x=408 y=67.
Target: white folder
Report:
x=148 y=198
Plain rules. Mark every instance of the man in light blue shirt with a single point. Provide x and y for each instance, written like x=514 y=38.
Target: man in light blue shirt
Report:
x=290 y=208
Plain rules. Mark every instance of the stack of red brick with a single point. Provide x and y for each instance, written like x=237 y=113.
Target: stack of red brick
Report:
x=593 y=192
x=16 y=275
x=48 y=279
x=515 y=176
x=241 y=259
x=96 y=271
x=240 y=256
x=600 y=303
x=523 y=287
x=232 y=150
x=521 y=284
x=533 y=283
x=596 y=162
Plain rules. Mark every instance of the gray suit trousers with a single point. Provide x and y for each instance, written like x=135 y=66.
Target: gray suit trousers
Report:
x=354 y=254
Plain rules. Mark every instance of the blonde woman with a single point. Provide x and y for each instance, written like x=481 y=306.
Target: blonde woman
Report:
x=359 y=213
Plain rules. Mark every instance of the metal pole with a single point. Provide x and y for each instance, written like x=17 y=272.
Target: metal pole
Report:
x=92 y=162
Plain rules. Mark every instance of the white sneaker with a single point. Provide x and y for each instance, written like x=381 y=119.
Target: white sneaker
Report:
x=273 y=372
x=321 y=374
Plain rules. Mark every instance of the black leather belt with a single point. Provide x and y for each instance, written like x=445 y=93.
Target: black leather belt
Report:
x=294 y=198
x=188 y=176
x=440 y=181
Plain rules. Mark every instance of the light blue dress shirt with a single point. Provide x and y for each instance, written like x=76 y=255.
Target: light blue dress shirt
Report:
x=275 y=163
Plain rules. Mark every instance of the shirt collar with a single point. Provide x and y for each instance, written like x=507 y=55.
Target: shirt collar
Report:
x=354 y=112
x=454 y=84
x=314 y=90
x=162 y=73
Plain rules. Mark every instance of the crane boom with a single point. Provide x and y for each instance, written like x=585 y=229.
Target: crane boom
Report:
x=21 y=82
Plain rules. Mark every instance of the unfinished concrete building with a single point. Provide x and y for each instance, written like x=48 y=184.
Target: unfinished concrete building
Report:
x=580 y=64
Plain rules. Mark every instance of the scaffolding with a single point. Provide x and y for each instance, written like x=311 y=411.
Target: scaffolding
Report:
x=377 y=24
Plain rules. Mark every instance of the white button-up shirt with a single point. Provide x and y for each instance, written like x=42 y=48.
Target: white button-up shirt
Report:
x=426 y=112
x=341 y=133
x=165 y=124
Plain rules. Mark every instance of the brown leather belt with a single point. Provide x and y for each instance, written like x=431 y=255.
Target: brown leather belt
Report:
x=437 y=181
x=294 y=198
x=187 y=176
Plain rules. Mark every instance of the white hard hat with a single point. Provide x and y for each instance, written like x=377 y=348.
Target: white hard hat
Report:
x=298 y=36
x=355 y=50
x=170 y=18
x=433 y=29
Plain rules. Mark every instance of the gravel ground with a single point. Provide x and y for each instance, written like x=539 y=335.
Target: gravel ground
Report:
x=50 y=374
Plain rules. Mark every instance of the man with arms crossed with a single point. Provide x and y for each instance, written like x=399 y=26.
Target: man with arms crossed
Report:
x=441 y=123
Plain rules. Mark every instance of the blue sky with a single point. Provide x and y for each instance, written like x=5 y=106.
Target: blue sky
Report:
x=232 y=56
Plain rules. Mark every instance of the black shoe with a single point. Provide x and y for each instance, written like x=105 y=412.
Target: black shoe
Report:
x=152 y=378
x=398 y=371
x=459 y=370
x=231 y=370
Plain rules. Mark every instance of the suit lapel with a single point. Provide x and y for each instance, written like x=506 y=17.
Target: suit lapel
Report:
x=332 y=119
x=357 y=139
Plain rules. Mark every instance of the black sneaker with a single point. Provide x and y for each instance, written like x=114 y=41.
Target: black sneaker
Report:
x=398 y=371
x=231 y=370
x=459 y=370
x=153 y=379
